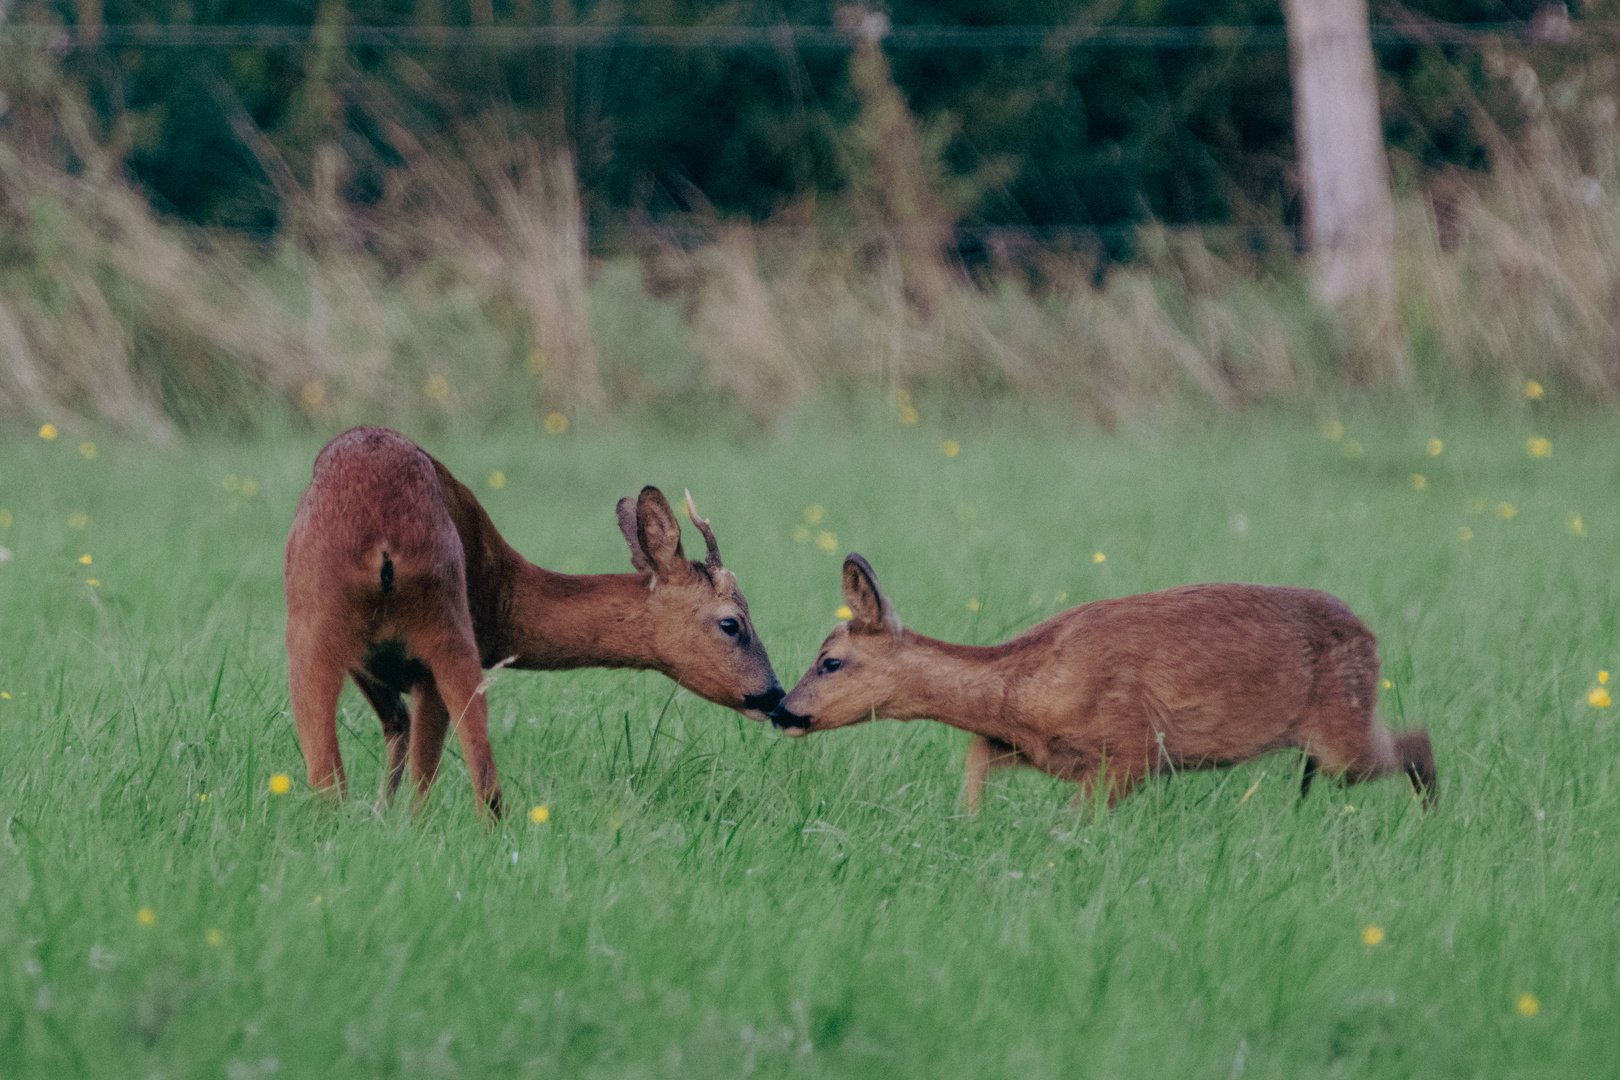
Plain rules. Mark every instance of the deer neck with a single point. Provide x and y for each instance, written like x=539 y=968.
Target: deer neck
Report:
x=964 y=686
x=552 y=621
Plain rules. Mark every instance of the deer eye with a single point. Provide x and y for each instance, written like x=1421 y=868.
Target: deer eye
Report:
x=729 y=627
x=830 y=665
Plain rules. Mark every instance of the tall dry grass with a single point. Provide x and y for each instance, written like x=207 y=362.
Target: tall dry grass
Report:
x=465 y=289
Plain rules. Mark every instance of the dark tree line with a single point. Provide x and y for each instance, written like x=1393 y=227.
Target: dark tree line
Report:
x=1093 y=137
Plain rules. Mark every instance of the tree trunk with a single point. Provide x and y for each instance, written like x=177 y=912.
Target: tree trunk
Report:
x=1344 y=174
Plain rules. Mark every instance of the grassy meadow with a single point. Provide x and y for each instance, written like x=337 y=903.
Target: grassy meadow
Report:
x=708 y=898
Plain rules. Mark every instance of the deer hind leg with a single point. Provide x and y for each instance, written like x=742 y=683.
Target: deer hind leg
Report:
x=983 y=756
x=396 y=725
x=430 y=721
x=315 y=675
x=1112 y=775
x=453 y=698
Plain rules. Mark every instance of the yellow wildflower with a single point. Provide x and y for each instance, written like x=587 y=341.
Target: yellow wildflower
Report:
x=88 y=449
x=814 y=513
x=312 y=394
x=1506 y=511
x=1527 y=1005
x=497 y=479
x=1371 y=935
x=437 y=388
x=1533 y=390
x=908 y=415
x=1538 y=446
x=1435 y=446
x=91 y=581
x=827 y=541
x=1332 y=431
x=279 y=784
x=1603 y=676
x=540 y=815
x=800 y=534
x=1388 y=684
x=250 y=488
x=47 y=432
x=1099 y=557
x=1419 y=482
x=556 y=423
x=5 y=695
x=203 y=797
x=85 y=559
x=1599 y=698
x=952 y=448
x=213 y=937
x=1576 y=526
x=973 y=604
x=78 y=519
x=146 y=916
x=843 y=612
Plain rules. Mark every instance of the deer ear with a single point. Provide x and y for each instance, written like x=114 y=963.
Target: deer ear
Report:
x=627 y=525
x=872 y=613
x=659 y=535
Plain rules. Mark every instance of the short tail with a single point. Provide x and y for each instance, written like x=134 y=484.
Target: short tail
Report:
x=388 y=582
x=1417 y=758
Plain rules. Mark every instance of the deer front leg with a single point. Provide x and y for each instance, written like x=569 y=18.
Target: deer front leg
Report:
x=983 y=755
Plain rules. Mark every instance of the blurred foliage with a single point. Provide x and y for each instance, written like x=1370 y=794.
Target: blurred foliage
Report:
x=1045 y=137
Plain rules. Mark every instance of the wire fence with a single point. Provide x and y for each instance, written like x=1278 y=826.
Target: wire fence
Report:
x=1557 y=31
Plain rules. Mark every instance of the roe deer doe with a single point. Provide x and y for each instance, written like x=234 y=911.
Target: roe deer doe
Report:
x=397 y=578
x=1111 y=691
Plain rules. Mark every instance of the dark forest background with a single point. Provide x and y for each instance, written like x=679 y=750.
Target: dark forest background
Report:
x=1096 y=137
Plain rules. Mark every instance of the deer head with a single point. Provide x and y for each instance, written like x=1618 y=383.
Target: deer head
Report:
x=703 y=637
x=855 y=668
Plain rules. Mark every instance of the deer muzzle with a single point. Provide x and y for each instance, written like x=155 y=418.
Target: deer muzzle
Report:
x=791 y=722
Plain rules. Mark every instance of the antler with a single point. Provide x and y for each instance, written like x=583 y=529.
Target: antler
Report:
x=713 y=559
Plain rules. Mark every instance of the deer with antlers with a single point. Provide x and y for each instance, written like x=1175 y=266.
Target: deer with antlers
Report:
x=1112 y=691
x=398 y=579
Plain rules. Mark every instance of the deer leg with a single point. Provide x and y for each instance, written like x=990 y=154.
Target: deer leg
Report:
x=396 y=725
x=983 y=756
x=1119 y=783
x=316 y=678
x=430 y=721
x=457 y=678
x=1307 y=775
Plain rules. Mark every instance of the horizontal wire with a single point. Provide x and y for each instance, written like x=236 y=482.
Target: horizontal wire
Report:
x=782 y=36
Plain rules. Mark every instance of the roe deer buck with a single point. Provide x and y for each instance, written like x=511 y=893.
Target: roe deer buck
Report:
x=397 y=578
x=1190 y=678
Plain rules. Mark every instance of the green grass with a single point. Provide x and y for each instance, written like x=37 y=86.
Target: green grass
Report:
x=720 y=900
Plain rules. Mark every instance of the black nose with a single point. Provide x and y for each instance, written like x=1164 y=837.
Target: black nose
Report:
x=784 y=719
x=765 y=702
